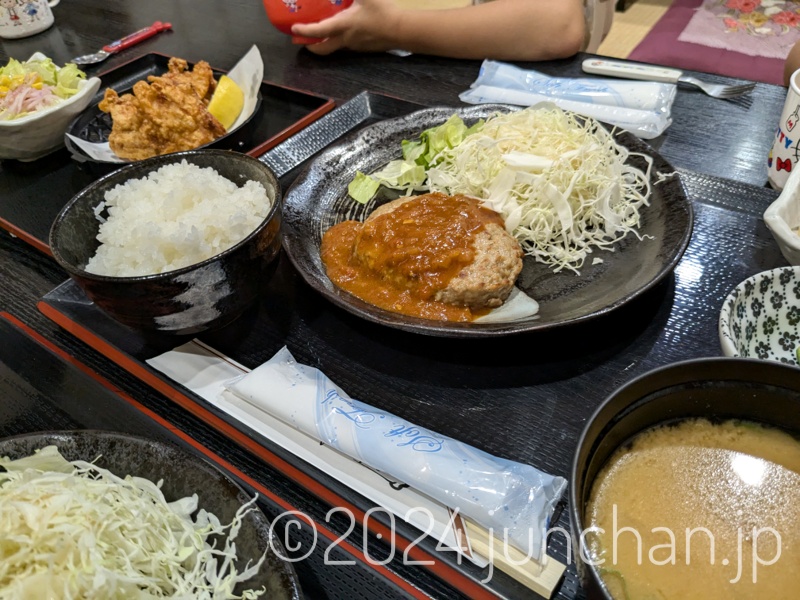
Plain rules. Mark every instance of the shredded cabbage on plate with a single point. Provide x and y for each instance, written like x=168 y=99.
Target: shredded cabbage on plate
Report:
x=75 y=530
x=562 y=183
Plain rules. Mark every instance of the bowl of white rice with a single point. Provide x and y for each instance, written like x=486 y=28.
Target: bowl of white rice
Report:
x=175 y=244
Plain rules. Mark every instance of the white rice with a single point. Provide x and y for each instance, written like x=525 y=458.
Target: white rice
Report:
x=177 y=216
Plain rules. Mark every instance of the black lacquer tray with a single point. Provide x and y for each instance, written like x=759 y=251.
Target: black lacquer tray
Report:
x=286 y=160
x=43 y=389
x=526 y=401
x=32 y=194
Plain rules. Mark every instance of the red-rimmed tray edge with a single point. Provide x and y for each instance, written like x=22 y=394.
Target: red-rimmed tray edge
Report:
x=26 y=237
x=439 y=568
x=253 y=448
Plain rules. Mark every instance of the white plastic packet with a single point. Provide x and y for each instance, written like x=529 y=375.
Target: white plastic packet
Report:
x=641 y=107
x=511 y=499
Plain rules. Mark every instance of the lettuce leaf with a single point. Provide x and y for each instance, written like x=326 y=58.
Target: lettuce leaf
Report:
x=12 y=69
x=46 y=69
x=410 y=173
x=68 y=78
x=362 y=188
x=63 y=82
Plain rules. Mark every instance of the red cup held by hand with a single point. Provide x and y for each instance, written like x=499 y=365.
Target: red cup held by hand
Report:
x=285 y=13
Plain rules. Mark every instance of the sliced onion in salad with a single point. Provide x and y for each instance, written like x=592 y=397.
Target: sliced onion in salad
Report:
x=31 y=86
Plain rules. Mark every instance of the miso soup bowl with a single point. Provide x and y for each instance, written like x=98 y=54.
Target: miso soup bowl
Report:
x=196 y=298
x=717 y=389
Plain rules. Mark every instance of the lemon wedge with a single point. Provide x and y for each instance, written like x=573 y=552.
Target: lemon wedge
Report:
x=227 y=101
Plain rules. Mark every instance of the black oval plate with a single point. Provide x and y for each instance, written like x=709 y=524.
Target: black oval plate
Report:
x=183 y=474
x=94 y=125
x=318 y=199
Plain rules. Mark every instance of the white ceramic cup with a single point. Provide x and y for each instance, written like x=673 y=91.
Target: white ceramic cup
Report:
x=21 y=18
x=784 y=157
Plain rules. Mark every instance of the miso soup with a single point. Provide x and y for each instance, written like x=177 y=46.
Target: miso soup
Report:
x=699 y=510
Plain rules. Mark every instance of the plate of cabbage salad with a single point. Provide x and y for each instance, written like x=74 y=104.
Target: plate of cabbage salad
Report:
x=35 y=85
x=600 y=215
x=97 y=515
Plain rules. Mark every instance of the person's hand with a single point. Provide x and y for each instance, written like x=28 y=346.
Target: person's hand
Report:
x=365 y=26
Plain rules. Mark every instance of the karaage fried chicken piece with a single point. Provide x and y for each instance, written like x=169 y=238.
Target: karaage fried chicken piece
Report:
x=201 y=76
x=166 y=115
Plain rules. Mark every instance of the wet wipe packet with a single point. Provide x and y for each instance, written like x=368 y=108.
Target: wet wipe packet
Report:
x=515 y=501
x=641 y=107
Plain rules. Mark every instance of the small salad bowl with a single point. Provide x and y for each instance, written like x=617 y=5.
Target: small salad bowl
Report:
x=42 y=132
x=760 y=318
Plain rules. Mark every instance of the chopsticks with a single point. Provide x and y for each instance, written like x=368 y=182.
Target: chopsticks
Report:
x=541 y=578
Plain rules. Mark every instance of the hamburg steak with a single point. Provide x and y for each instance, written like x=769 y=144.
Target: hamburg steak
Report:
x=432 y=256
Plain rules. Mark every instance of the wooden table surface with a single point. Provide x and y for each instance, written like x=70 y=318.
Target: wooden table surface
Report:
x=724 y=142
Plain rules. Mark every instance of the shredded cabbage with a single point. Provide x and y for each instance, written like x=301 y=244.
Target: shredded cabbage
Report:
x=74 y=530
x=562 y=184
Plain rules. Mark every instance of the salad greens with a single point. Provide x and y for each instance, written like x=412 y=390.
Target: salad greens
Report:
x=410 y=172
x=26 y=87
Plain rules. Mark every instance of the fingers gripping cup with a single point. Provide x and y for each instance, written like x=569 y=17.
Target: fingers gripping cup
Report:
x=785 y=153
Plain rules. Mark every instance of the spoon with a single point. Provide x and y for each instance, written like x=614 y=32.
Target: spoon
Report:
x=126 y=42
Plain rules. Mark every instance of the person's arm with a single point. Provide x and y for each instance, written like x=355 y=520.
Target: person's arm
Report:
x=792 y=63
x=500 y=30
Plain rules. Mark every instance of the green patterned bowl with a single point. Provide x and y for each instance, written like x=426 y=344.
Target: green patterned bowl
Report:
x=760 y=318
